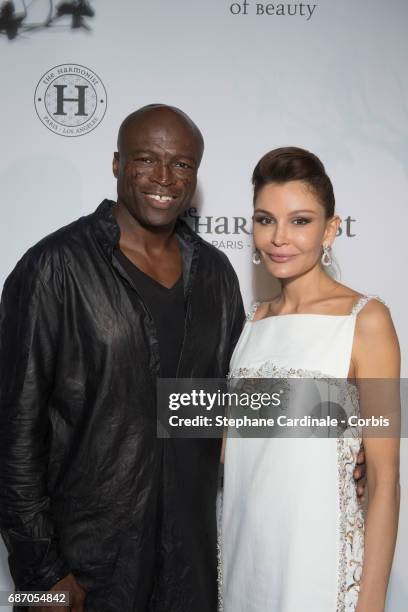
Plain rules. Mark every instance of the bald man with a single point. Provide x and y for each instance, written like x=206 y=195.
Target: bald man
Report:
x=91 y=501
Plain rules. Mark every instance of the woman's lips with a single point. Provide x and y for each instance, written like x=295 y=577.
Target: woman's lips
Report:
x=279 y=258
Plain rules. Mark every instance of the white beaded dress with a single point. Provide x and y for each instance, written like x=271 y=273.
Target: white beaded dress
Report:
x=292 y=528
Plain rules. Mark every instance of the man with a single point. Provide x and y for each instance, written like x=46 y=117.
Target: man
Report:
x=91 y=501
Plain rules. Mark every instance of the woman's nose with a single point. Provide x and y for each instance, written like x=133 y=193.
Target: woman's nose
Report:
x=279 y=236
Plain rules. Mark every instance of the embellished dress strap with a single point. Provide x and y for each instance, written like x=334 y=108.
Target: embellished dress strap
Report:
x=252 y=311
x=361 y=302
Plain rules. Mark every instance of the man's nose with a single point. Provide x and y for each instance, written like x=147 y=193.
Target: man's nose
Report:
x=162 y=174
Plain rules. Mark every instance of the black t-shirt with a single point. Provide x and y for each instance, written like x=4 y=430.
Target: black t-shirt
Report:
x=167 y=309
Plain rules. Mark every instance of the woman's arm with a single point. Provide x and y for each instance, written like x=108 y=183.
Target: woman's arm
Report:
x=376 y=355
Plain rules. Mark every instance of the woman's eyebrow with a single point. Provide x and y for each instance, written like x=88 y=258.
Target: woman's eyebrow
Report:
x=292 y=212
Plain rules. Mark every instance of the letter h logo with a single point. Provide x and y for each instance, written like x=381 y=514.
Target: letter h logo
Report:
x=80 y=100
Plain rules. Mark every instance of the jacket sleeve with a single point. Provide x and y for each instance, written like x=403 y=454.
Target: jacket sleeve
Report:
x=29 y=319
x=237 y=314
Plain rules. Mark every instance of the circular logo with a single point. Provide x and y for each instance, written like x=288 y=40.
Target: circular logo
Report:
x=70 y=100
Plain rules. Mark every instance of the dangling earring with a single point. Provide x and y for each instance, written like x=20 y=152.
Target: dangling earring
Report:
x=256 y=258
x=326 y=257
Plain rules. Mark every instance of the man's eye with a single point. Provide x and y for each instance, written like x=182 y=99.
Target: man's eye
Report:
x=301 y=221
x=183 y=165
x=144 y=160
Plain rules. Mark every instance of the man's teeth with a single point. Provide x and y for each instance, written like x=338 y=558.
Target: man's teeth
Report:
x=160 y=198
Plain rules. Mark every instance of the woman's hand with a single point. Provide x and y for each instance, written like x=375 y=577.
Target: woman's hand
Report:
x=359 y=474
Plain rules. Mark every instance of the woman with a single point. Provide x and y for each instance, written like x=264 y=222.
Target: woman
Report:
x=289 y=544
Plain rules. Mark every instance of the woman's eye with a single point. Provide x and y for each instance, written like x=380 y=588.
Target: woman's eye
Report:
x=264 y=220
x=301 y=221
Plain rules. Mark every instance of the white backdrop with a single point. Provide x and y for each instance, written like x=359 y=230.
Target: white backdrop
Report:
x=334 y=83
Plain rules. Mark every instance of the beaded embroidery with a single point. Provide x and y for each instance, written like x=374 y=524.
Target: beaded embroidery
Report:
x=220 y=606
x=252 y=311
x=358 y=306
x=351 y=526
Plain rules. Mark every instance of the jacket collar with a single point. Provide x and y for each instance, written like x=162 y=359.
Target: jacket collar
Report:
x=108 y=232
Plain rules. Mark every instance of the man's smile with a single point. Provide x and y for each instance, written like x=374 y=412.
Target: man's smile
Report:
x=160 y=197
x=160 y=200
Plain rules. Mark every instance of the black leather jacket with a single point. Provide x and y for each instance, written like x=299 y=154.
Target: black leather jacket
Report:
x=85 y=485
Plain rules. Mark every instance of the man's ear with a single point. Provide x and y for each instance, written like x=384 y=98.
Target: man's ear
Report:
x=115 y=164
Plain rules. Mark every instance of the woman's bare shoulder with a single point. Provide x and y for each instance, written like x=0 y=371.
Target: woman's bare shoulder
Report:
x=376 y=351
x=374 y=316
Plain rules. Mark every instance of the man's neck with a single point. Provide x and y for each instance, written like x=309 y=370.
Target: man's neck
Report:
x=137 y=237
